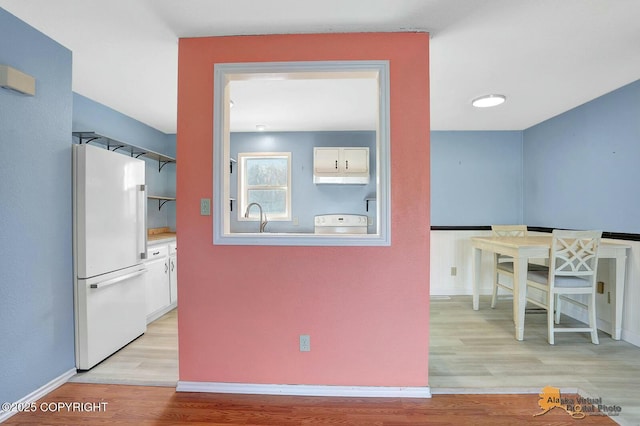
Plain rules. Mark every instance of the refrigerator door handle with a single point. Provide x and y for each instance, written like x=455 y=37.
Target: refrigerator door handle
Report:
x=113 y=281
x=142 y=221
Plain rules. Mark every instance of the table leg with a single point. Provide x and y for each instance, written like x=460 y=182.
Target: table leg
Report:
x=520 y=265
x=618 y=297
x=477 y=259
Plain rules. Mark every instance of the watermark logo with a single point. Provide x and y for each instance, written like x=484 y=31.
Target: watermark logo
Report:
x=550 y=398
x=576 y=406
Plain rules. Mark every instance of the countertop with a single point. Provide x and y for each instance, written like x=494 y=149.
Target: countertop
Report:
x=165 y=234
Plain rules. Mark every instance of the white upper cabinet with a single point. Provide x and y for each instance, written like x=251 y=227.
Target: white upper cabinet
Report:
x=326 y=161
x=348 y=165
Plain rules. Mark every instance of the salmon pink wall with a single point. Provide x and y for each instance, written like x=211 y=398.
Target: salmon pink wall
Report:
x=242 y=308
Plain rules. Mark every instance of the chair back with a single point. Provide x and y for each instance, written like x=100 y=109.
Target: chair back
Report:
x=575 y=253
x=509 y=230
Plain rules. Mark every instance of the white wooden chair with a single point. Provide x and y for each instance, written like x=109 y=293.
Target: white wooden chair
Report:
x=502 y=264
x=572 y=270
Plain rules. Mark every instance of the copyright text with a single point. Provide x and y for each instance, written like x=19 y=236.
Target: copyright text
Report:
x=54 y=407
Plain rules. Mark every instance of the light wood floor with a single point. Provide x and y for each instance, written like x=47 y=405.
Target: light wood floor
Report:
x=470 y=352
x=152 y=359
x=476 y=350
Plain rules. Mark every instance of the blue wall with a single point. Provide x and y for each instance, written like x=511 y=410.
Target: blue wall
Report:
x=36 y=278
x=89 y=115
x=161 y=183
x=307 y=198
x=36 y=284
x=582 y=168
x=577 y=170
x=476 y=178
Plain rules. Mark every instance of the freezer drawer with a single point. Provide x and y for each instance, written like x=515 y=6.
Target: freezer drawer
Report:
x=110 y=313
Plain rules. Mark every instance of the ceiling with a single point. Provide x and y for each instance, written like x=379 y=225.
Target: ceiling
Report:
x=545 y=56
x=303 y=103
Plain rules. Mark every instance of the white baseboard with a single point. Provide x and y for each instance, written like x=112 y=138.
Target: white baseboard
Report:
x=160 y=312
x=40 y=392
x=306 y=390
x=630 y=337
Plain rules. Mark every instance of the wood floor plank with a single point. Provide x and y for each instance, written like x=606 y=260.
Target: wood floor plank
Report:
x=156 y=405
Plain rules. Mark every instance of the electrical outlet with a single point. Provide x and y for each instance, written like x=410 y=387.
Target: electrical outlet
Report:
x=295 y=221
x=205 y=206
x=305 y=343
x=454 y=271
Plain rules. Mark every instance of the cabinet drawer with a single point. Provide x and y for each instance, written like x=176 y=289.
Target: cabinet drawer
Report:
x=155 y=252
x=173 y=248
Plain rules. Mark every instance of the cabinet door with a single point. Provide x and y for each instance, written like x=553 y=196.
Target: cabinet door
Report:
x=157 y=275
x=173 y=278
x=355 y=160
x=326 y=160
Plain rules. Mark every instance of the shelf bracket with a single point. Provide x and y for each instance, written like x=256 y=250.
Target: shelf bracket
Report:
x=86 y=141
x=162 y=203
x=114 y=148
x=367 y=202
x=162 y=163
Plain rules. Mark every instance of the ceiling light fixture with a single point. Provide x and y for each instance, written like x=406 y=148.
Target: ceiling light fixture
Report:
x=488 y=101
x=261 y=127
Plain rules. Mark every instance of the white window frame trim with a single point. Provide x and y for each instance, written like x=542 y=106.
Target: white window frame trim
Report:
x=222 y=74
x=242 y=189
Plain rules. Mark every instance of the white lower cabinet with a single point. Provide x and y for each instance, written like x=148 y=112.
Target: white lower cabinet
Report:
x=159 y=288
x=173 y=273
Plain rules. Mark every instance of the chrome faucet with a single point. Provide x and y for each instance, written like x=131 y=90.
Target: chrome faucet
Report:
x=263 y=222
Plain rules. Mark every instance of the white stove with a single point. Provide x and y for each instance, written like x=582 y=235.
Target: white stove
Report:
x=340 y=224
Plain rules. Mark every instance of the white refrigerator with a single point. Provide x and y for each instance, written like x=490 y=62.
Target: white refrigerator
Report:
x=110 y=238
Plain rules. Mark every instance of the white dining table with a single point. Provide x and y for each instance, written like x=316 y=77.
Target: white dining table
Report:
x=522 y=249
